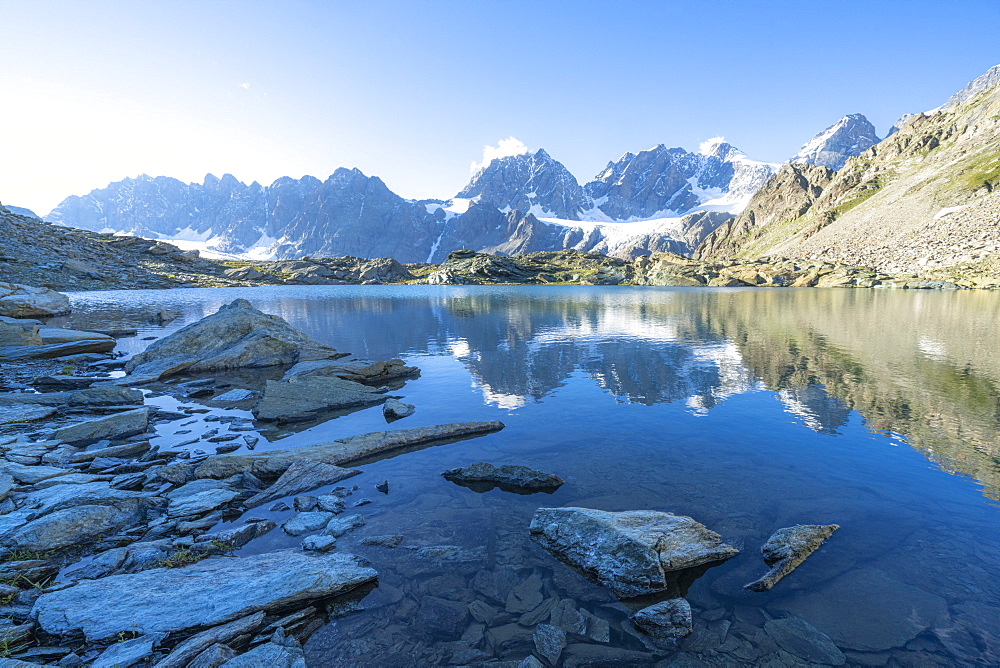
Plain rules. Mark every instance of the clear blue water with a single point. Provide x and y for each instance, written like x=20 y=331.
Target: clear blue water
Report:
x=748 y=410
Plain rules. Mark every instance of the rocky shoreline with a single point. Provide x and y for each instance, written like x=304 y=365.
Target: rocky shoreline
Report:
x=42 y=254
x=116 y=552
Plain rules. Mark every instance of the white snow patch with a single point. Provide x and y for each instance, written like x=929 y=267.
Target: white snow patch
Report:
x=949 y=209
x=458 y=205
x=708 y=146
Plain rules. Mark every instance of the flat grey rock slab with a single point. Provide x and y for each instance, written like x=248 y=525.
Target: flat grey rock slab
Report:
x=787 y=548
x=51 y=335
x=114 y=426
x=339 y=453
x=629 y=552
x=28 y=301
x=199 y=497
x=187 y=650
x=301 y=476
x=304 y=397
x=14 y=353
x=25 y=413
x=208 y=593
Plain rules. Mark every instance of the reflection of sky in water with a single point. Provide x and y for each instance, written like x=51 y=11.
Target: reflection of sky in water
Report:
x=749 y=410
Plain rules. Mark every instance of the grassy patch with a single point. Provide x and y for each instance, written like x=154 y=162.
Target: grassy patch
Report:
x=183 y=558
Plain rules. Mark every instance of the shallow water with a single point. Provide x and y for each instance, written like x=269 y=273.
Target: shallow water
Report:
x=749 y=410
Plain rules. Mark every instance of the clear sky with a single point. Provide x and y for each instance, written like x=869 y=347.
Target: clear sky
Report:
x=92 y=92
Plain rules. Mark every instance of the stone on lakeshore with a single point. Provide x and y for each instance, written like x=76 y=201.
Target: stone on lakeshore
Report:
x=629 y=552
x=129 y=559
x=15 y=353
x=114 y=426
x=199 y=497
x=319 y=543
x=50 y=335
x=341 y=452
x=303 y=398
x=61 y=382
x=237 y=394
x=280 y=652
x=338 y=526
x=238 y=336
x=394 y=409
x=789 y=547
x=666 y=619
x=128 y=652
x=19 y=332
x=211 y=592
x=25 y=301
x=104 y=395
x=241 y=535
x=301 y=523
x=482 y=476
x=183 y=653
x=23 y=413
x=214 y=656
x=76 y=526
x=301 y=476
x=799 y=637
x=129 y=450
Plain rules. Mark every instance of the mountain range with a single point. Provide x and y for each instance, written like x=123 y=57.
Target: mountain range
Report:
x=513 y=204
x=707 y=202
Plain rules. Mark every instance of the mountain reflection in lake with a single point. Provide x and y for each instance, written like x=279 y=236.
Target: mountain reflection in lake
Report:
x=749 y=410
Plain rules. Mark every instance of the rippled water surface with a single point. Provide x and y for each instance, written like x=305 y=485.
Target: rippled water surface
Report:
x=749 y=410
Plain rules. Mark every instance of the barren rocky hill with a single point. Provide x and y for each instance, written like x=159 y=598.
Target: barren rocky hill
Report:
x=925 y=201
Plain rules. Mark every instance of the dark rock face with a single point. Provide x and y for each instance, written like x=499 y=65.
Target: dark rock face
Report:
x=532 y=180
x=666 y=619
x=850 y=136
x=518 y=478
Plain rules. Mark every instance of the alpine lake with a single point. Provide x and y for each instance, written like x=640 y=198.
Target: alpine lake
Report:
x=748 y=410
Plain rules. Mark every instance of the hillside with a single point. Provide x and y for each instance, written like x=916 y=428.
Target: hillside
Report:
x=925 y=201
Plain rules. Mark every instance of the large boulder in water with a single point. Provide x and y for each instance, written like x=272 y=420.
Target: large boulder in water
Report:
x=629 y=552
x=238 y=336
x=26 y=301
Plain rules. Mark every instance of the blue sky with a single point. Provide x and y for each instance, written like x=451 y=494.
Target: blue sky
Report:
x=413 y=91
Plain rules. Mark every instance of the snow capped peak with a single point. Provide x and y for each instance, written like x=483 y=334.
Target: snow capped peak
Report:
x=850 y=136
x=505 y=148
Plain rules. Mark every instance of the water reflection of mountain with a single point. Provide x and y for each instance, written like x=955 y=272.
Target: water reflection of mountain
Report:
x=920 y=364
x=641 y=347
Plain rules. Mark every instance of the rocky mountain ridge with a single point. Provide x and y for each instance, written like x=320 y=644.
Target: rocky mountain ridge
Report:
x=925 y=200
x=850 y=136
x=688 y=194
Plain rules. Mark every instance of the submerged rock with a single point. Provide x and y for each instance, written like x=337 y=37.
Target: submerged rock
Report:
x=238 y=336
x=789 y=547
x=507 y=476
x=666 y=619
x=799 y=637
x=629 y=552
x=208 y=593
